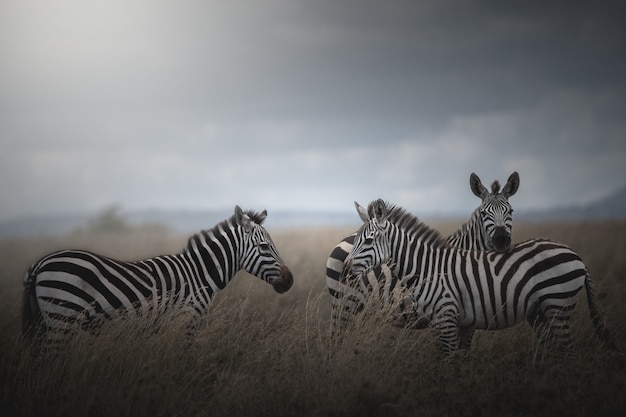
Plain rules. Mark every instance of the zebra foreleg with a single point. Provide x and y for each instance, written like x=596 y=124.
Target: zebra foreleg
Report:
x=343 y=312
x=347 y=300
x=446 y=329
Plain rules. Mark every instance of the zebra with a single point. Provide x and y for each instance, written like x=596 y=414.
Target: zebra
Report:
x=488 y=228
x=76 y=287
x=456 y=290
x=490 y=225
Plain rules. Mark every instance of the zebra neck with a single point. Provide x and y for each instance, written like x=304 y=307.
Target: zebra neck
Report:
x=412 y=257
x=213 y=258
x=470 y=235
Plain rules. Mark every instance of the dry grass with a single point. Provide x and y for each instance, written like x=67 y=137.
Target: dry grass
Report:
x=267 y=354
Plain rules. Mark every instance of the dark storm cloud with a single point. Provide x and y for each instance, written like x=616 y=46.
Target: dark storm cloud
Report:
x=398 y=61
x=424 y=61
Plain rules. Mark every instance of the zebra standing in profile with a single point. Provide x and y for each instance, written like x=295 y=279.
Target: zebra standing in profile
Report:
x=488 y=228
x=72 y=287
x=457 y=291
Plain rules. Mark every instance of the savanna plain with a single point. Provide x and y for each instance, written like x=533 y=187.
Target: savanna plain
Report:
x=268 y=354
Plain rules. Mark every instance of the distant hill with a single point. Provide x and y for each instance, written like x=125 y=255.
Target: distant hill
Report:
x=613 y=206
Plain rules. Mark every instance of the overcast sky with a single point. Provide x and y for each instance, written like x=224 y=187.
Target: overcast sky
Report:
x=307 y=104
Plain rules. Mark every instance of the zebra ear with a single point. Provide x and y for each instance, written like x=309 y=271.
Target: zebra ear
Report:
x=262 y=217
x=238 y=215
x=362 y=211
x=477 y=187
x=511 y=186
x=242 y=219
x=379 y=211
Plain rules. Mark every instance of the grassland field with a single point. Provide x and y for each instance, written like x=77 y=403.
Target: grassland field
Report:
x=268 y=354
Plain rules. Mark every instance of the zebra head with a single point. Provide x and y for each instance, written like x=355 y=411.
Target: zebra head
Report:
x=371 y=243
x=495 y=211
x=258 y=254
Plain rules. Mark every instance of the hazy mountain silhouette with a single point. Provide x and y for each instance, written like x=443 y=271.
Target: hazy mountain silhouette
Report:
x=613 y=206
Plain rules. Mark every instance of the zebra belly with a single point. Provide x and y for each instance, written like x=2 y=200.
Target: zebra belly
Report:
x=494 y=322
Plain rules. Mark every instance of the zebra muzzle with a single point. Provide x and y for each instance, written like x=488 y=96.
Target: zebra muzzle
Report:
x=501 y=240
x=284 y=282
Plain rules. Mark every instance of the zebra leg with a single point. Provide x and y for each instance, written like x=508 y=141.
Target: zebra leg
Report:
x=560 y=329
x=466 y=335
x=35 y=340
x=553 y=333
x=343 y=310
x=51 y=337
x=348 y=298
x=446 y=329
x=193 y=326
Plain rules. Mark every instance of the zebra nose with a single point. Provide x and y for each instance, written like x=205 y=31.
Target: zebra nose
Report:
x=285 y=281
x=501 y=239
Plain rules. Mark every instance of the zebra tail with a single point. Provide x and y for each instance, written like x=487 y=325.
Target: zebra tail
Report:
x=31 y=314
x=602 y=332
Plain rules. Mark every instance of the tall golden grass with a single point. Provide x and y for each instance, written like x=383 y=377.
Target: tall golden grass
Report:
x=261 y=353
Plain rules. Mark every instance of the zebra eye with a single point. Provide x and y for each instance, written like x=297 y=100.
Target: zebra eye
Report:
x=264 y=246
x=368 y=240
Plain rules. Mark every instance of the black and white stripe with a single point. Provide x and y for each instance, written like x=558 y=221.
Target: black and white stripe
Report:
x=72 y=286
x=457 y=291
x=488 y=228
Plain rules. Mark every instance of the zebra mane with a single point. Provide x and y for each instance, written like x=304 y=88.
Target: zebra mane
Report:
x=413 y=226
x=224 y=225
x=468 y=225
x=495 y=187
x=254 y=216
